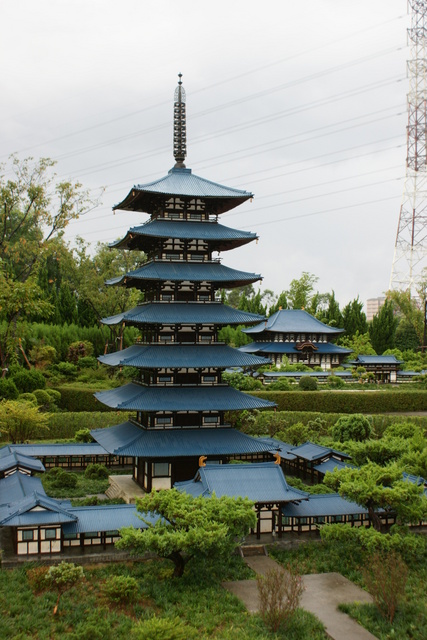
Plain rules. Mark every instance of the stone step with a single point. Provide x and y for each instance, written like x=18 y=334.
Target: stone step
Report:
x=253 y=550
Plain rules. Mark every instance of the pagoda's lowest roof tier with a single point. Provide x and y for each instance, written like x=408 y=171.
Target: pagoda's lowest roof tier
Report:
x=128 y=439
x=162 y=271
x=182 y=183
x=322 y=348
x=135 y=397
x=176 y=356
x=293 y=321
x=183 y=313
x=220 y=237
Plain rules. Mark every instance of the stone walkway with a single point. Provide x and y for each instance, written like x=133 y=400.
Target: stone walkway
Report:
x=322 y=595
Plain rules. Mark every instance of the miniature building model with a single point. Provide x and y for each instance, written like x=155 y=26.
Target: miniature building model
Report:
x=180 y=399
x=294 y=333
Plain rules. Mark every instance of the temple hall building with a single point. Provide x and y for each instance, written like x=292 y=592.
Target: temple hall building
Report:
x=179 y=397
x=300 y=337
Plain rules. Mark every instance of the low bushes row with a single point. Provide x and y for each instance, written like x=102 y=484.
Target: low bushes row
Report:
x=347 y=401
x=64 y=426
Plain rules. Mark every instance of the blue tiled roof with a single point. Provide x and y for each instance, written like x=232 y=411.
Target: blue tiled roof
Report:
x=10 y=459
x=136 y=397
x=294 y=321
x=128 y=439
x=180 y=271
x=276 y=375
x=260 y=482
x=18 y=485
x=376 y=360
x=181 y=182
x=183 y=313
x=329 y=504
x=283 y=448
x=290 y=347
x=68 y=449
x=223 y=238
x=106 y=518
x=310 y=451
x=178 y=356
x=34 y=509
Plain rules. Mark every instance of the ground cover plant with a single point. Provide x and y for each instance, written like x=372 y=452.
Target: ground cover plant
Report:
x=196 y=605
x=349 y=557
x=59 y=483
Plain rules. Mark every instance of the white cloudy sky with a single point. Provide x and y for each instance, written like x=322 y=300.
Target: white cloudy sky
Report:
x=302 y=103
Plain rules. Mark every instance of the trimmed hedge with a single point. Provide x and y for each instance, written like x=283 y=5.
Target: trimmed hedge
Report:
x=64 y=426
x=347 y=401
x=78 y=399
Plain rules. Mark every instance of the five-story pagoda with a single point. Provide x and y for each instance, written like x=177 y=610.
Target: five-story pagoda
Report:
x=180 y=399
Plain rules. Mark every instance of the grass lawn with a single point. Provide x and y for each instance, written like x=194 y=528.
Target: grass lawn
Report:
x=86 y=613
x=410 y=622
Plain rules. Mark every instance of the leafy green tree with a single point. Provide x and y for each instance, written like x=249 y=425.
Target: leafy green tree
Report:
x=359 y=344
x=301 y=291
x=354 y=319
x=382 y=329
x=240 y=381
x=62 y=577
x=20 y=421
x=281 y=303
x=407 y=337
x=188 y=527
x=375 y=487
x=410 y=311
x=307 y=383
x=34 y=210
x=332 y=315
x=92 y=272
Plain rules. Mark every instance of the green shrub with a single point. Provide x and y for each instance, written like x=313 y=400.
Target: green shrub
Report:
x=282 y=384
x=42 y=397
x=96 y=471
x=64 y=370
x=163 y=629
x=307 y=383
x=356 y=427
x=280 y=592
x=60 y=479
x=79 y=349
x=8 y=389
x=241 y=381
x=75 y=399
x=55 y=395
x=28 y=381
x=385 y=576
x=83 y=435
x=121 y=589
x=87 y=362
x=335 y=382
x=29 y=397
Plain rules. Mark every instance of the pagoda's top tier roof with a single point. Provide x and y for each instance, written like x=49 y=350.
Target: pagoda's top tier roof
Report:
x=293 y=321
x=218 y=235
x=182 y=183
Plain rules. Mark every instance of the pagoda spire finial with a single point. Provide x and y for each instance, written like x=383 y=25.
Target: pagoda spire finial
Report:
x=179 y=126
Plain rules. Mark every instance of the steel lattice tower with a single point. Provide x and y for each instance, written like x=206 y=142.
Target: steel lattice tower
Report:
x=410 y=253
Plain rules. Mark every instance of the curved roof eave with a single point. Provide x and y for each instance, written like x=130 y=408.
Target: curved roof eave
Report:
x=221 y=237
x=181 y=182
x=293 y=321
x=183 y=313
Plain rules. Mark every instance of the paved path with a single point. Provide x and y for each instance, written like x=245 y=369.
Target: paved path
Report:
x=322 y=595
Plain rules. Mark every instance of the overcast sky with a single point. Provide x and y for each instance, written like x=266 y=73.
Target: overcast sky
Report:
x=304 y=104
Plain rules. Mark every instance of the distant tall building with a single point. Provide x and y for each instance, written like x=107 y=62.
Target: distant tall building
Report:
x=373 y=305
